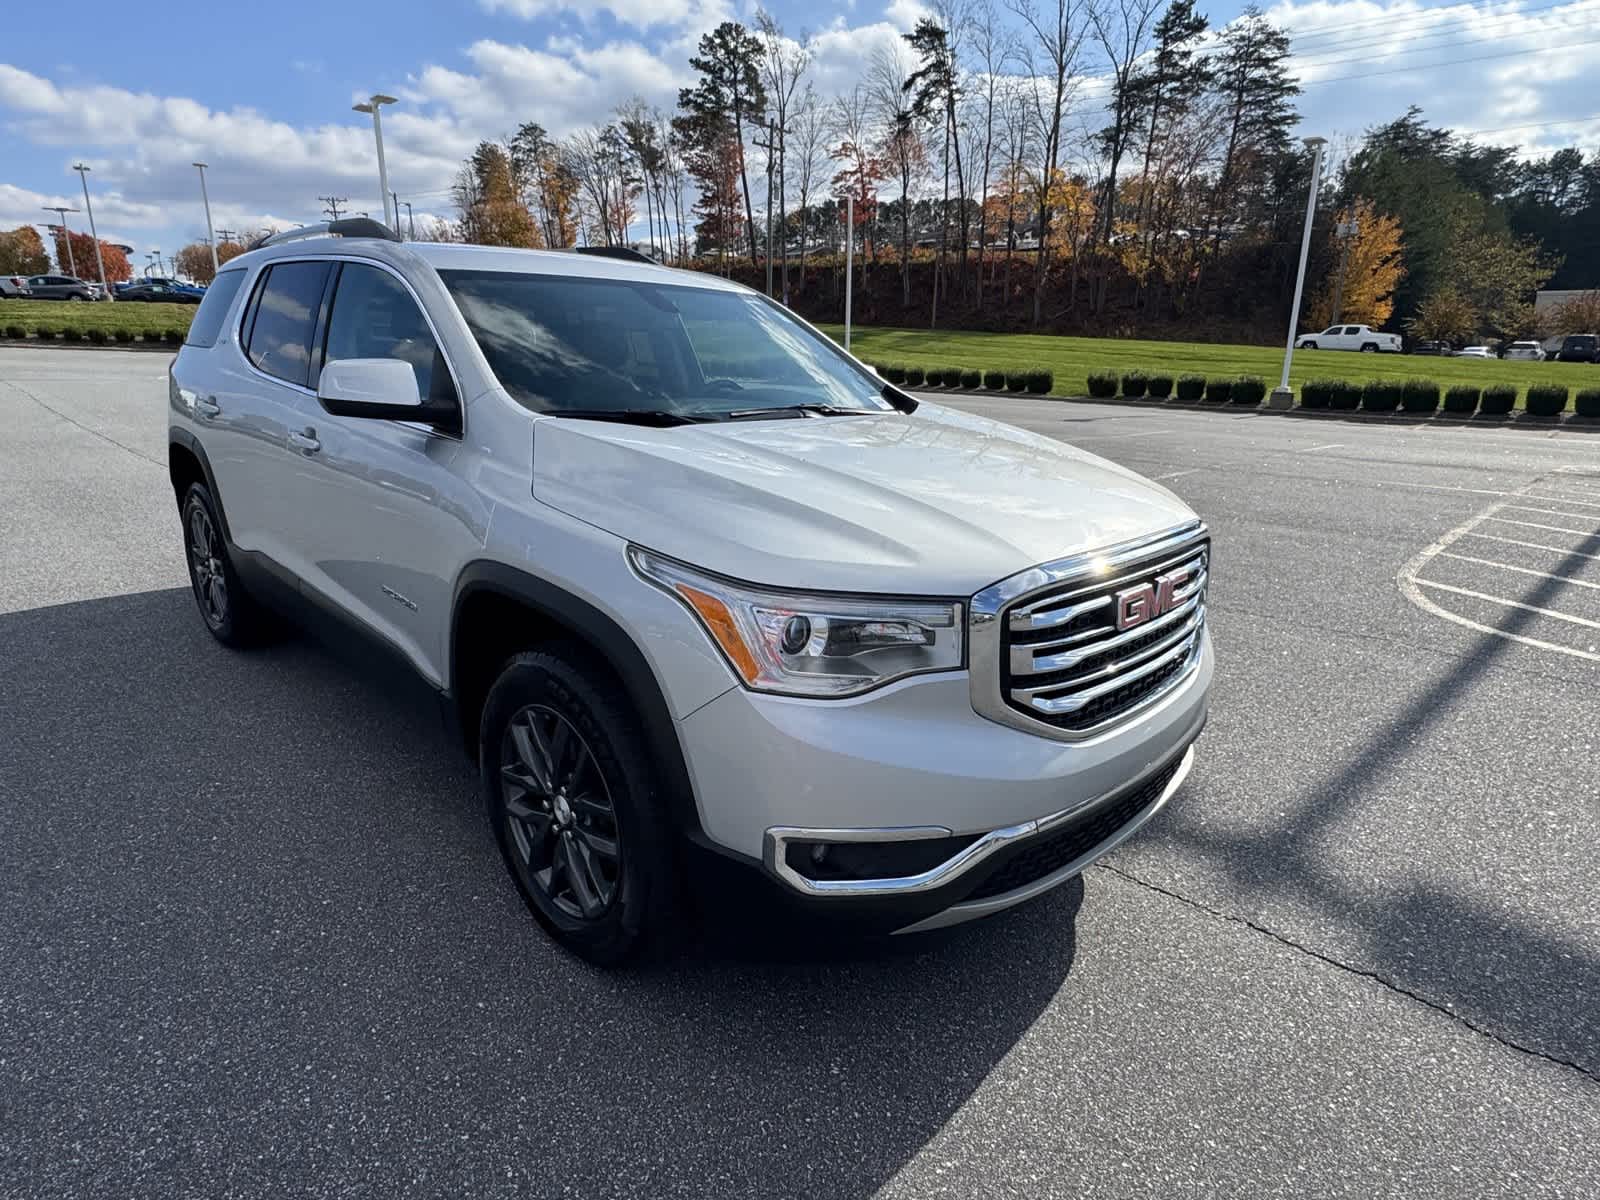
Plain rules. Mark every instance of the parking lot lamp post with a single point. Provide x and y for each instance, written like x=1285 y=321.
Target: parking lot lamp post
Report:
x=211 y=237
x=66 y=236
x=99 y=261
x=849 y=260
x=372 y=106
x=1282 y=397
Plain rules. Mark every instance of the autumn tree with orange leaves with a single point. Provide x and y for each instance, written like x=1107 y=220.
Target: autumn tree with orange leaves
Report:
x=1373 y=268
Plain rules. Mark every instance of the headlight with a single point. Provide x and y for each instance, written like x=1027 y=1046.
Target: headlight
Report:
x=807 y=644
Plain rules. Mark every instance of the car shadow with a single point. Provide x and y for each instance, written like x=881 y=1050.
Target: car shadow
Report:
x=259 y=940
x=1467 y=953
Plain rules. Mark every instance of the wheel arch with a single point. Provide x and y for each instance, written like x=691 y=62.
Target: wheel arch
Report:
x=187 y=464
x=490 y=596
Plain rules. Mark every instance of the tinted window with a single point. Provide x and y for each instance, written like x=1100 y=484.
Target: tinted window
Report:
x=1349 y=329
x=213 y=310
x=559 y=343
x=285 y=319
x=375 y=317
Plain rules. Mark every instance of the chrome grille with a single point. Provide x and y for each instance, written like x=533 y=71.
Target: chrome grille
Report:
x=1077 y=645
x=1068 y=663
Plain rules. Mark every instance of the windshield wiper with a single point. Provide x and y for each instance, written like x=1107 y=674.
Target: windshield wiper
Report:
x=660 y=417
x=799 y=410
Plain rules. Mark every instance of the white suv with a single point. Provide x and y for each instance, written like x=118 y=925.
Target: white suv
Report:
x=709 y=602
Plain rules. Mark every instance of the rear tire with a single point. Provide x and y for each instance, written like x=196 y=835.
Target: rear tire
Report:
x=570 y=789
x=1369 y=348
x=229 y=612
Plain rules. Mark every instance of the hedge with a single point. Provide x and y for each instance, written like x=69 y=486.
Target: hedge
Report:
x=1249 y=389
x=1546 y=400
x=1380 y=395
x=1419 y=395
x=1462 y=398
x=1587 y=402
x=1191 y=387
x=914 y=376
x=1040 y=381
x=1160 y=386
x=1499 y=399
x=16 y=331
x=893 y=372
x=1219 y=391
x=1016 y=381
x=123 y=335
x=950 y=376
x=1317 y=393
x=1135 y=384
x=1103 y=384
x=1345 y=396
x=72 y=334
x=994 y=380
x=972 y=380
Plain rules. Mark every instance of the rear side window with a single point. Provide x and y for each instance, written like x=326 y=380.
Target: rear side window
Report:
x=213 y=310
x=375 y=317
x=286 y=309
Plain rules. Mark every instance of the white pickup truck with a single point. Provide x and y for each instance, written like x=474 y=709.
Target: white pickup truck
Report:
x=1350 y=337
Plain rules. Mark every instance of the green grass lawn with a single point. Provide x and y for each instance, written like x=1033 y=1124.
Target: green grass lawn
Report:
x=135 y=317
x=1071 y=359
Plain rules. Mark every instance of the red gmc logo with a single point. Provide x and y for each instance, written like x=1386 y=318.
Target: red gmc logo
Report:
x=1137 y=605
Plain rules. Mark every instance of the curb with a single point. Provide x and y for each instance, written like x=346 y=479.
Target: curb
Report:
x=57 y=344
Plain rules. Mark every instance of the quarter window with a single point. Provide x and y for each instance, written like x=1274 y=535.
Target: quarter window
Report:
x=286 y=319
x=213 y=310
x=375 y=317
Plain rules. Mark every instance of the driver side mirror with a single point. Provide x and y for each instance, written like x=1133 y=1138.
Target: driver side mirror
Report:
x=379 y=388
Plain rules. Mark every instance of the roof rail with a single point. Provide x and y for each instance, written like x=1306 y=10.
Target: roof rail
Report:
x=349 y=227
x=626 y=253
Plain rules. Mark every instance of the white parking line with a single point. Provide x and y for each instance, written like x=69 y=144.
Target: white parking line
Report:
x=1489 y=537
x=1105 y=437
x=1329 y=446
x=1533 y=608
x=1564 y=499
x=1489 y=562
x=1535 y=525
x=1178 y=474
x=1553 y=512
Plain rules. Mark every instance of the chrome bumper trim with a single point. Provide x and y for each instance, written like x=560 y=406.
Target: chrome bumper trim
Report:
x=971 y=910
x=776 y=844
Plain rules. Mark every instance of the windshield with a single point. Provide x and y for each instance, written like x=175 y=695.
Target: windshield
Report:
x=559 y=344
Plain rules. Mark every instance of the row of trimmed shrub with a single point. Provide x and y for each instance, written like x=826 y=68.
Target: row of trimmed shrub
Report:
x=1037 y=381
x=100 y=337
x=1244 y=389
x=1423 y=396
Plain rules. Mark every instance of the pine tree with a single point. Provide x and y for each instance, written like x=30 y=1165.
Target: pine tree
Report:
x=728 y=98
x=1257 y=91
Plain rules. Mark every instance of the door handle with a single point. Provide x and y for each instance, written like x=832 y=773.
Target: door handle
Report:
x=207 y=407
x=305 y=440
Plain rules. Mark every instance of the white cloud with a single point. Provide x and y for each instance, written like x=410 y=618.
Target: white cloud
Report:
x=641 y=14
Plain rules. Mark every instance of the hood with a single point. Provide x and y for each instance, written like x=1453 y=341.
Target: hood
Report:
x=937 y=502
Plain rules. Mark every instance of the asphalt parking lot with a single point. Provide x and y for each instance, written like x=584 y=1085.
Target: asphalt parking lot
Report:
x=255 y=939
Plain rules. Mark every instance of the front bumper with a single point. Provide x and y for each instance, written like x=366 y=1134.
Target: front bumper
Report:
x=915 y=763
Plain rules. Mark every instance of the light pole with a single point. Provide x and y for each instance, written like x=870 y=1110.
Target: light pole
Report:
x=372 y=106
x=411 y=221
x=211 y=237
x=99 y=259
x=66 y=236
x=849 y=259
x=1282 y=397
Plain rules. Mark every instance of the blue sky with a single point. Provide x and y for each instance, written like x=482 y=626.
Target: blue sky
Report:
x=263 y=93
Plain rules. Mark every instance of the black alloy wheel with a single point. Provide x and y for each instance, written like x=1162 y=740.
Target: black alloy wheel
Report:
x=560 y=815
x=206 y=569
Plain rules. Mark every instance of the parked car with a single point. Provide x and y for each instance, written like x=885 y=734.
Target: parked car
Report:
x=1579 y=347
x=901 y=721
x=13 y=287
x=1526 y=351
x=159 y=293
x=1443 y=349
x=60 y=287
x=1475 y=352
x=1350 y=337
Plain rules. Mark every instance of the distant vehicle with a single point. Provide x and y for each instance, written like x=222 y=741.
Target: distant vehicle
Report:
x=1474 y=352
x=60 y=287
x=159 y=293
x=1529 y=351
x=13 y=287
x=1350 y=337
x=1579 y=347
x=1443 y=349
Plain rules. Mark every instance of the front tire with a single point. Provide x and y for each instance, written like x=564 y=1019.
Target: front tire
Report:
x=570 y=789
x=1308 y=345
x=230 y=614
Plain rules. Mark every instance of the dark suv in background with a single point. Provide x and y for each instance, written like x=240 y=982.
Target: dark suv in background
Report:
x=1579 y=347
x=60 y=287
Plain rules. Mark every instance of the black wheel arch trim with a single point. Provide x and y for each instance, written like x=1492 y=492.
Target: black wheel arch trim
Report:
x=187 y=441
x=615 y=646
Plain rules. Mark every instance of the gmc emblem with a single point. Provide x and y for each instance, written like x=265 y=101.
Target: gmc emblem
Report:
x=1137 y=605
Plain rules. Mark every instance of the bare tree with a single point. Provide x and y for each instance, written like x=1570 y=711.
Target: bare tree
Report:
x=1052 y=63
x=784 y=63
x=812 y=126
x=891 y=66
x=993 y=49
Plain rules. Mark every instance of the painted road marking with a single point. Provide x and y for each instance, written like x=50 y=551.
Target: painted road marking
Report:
x=1178 y=474
x=1329 y=446
x=1412 y=584
x=1489 y=537
x=1489 y=562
